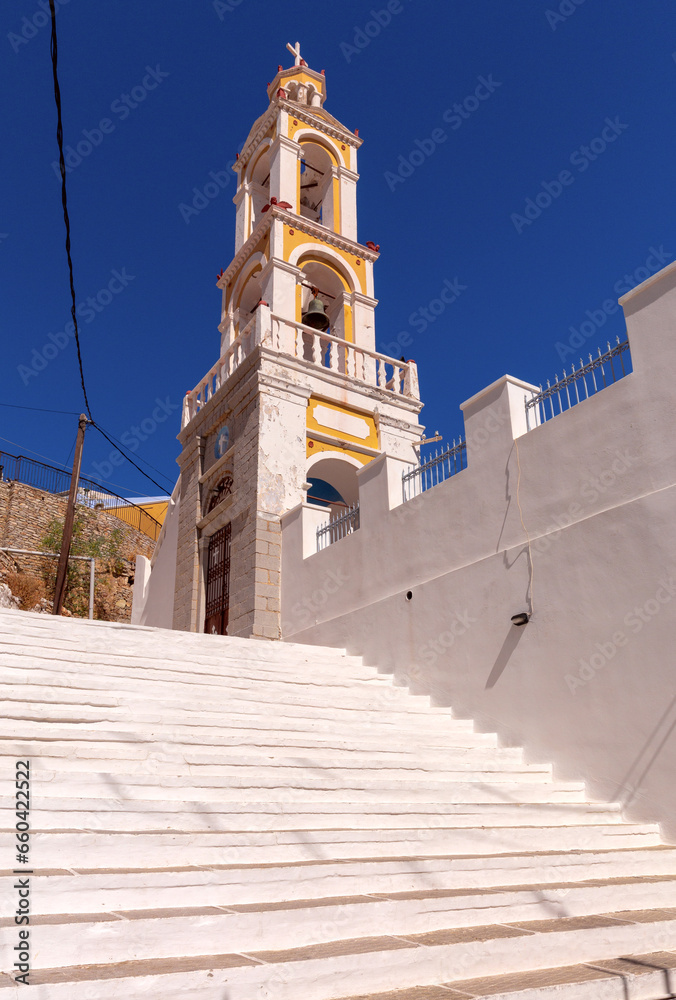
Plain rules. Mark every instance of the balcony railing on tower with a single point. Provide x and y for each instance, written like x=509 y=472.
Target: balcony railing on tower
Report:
x=305 y=344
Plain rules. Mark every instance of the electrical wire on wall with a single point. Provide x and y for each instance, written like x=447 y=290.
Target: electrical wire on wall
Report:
x=518 y=503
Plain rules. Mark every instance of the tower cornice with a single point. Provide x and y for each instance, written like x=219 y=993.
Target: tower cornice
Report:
x=318 y=120
x=313 y=229
x=303 y=113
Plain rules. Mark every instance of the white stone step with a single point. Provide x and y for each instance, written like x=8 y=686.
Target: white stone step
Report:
x=196 y=699
x=241 y=741
x=165 y=758
x=113 y=889
x=131 y=745
x=72 y=849
x=214 y=788
x=369 y=965
x=246 y=740
x=100 y=707
x=87 y=939
x=20 y=671
x=278 y=658
x=129 y=815
x=640 y=977
x=170 y=664
x=86 y=668
x=189 y=649
x=98 y=631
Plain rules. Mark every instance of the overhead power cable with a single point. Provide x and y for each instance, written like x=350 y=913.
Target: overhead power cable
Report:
x=121 y=448
x=62 y=165
x=39 y=409
x=51 y=461
x=64 y=200
x=129 y=459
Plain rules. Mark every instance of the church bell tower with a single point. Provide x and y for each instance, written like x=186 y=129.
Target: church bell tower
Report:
x=299 y=399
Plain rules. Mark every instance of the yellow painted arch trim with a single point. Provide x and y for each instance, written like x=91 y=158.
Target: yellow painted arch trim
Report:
x=323 y=144
x=313 y=258
x=312 y=134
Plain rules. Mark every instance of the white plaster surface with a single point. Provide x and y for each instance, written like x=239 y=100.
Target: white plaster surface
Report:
x=155 y=602
x=345 y=422
x=588 y=683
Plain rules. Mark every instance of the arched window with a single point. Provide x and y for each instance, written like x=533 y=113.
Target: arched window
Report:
x=336 y=480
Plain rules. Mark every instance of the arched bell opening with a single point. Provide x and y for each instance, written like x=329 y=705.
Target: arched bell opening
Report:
x=324 y=307
x=316 y=184
x=249 y=298
x=259 y=186
x=336 y=479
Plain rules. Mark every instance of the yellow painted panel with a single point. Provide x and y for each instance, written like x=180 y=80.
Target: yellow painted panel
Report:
x=347 y=321
x=156 y=510
x=297 y=190
x=336 y=204
x=370 y=441
x=144 y=519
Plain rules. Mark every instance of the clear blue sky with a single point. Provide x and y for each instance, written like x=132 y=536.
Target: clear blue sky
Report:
x=580 y=89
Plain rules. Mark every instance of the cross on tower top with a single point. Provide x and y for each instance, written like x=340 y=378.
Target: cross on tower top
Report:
x=295 y=51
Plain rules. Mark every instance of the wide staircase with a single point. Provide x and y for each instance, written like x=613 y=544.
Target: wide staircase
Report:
x=242 y=820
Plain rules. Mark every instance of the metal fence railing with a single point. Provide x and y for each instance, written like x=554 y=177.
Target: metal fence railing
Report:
x=435 y=469
x=338 y=527
x=584 y=381
x=18 y=469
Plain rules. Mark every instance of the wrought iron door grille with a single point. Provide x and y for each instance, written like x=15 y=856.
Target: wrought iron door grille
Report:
x=218 y=582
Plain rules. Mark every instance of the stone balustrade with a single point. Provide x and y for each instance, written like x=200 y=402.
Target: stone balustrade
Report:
x=306 y=344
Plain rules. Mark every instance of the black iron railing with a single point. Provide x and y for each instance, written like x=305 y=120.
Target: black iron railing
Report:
x=19 y=469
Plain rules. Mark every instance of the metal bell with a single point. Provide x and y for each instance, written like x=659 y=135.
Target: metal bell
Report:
x=315 y=316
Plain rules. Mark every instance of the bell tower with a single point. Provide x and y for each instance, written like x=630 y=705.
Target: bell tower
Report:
x=299 y=399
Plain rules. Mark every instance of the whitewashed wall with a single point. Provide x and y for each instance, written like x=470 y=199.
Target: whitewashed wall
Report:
x=155 y=581
x=590 y=682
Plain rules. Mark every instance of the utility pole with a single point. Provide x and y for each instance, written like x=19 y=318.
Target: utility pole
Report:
x=60 y=588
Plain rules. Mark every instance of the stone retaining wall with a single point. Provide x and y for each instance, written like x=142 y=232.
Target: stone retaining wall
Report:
x=25 y=517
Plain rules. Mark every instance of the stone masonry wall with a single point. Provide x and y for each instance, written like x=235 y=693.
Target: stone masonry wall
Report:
x=239 y=407
x=25 y=516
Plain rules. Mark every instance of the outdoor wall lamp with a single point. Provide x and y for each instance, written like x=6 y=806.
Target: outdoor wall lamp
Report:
x=520 y=619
